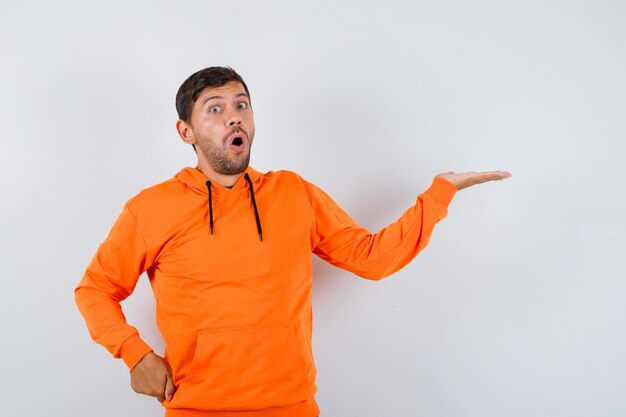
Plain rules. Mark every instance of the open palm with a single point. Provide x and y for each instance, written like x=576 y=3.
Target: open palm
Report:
x=467 y=179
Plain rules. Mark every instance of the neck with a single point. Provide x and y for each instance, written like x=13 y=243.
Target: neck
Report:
x=222 y=179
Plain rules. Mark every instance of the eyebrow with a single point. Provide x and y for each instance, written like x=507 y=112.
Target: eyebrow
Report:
x=214 y=97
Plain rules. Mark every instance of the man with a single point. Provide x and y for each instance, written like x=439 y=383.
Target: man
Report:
x=227 y=250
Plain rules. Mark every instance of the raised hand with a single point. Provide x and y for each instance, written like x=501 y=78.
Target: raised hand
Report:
x=153 y=376
x=467 y=179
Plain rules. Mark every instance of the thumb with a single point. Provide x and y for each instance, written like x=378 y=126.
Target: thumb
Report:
x=169 y=386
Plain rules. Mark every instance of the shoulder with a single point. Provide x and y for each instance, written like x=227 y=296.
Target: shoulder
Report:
x=280 y=174
x=294 y=184
x=158 y=195
x=285 y=179
x=284 y=175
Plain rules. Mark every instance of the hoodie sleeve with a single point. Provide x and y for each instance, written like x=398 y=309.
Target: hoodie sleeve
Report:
x=343 y=243
x=111 y=277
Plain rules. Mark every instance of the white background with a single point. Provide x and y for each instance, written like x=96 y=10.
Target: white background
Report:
x=516 y=308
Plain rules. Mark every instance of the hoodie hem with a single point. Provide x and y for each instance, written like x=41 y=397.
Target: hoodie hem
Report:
x=307 y=408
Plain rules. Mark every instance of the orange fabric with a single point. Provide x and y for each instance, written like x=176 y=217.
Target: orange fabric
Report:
x=234 y=311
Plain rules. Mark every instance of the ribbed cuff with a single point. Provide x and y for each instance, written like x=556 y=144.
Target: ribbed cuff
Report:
x=442 y=191
x=133 y=350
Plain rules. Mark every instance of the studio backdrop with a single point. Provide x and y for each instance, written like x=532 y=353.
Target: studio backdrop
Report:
x=514 y=309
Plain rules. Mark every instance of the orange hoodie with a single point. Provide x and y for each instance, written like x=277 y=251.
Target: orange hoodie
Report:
x=231 y=273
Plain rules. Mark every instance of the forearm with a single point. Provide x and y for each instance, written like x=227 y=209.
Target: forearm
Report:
x=107 y=325
x=375 y=256
x=111 y=277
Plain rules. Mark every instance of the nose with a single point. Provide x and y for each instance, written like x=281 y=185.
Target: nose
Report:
x=233 y=120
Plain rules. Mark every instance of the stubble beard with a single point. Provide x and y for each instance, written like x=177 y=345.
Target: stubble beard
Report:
x=218 y=156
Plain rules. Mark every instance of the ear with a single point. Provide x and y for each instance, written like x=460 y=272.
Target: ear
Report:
x=185 y=132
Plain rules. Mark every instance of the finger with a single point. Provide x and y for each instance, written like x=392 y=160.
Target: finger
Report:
x=468 y=179
x=160 y=397
x=496 y=173
x=169 y=387
x=160 y=391
x=481 y=177
x=488 y=176
x=499 y=174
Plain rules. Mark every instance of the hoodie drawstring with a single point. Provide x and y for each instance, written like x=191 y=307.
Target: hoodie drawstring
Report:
x=256 y=210
x=208 y=184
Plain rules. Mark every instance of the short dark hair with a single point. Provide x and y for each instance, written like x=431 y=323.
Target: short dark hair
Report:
x=193 y=86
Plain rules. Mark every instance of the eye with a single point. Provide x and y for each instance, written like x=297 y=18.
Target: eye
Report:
x=215 y=109
x=242 y=106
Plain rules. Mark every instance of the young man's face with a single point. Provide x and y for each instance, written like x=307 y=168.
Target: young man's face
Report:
x=223 y=127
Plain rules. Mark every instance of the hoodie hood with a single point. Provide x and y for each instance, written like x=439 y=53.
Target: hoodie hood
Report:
x=201 y=184
x=196 y=180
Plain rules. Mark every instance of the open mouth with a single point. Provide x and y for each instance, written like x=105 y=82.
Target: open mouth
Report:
x=236 y=143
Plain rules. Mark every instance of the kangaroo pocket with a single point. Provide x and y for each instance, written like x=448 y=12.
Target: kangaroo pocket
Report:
x=245 y=368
